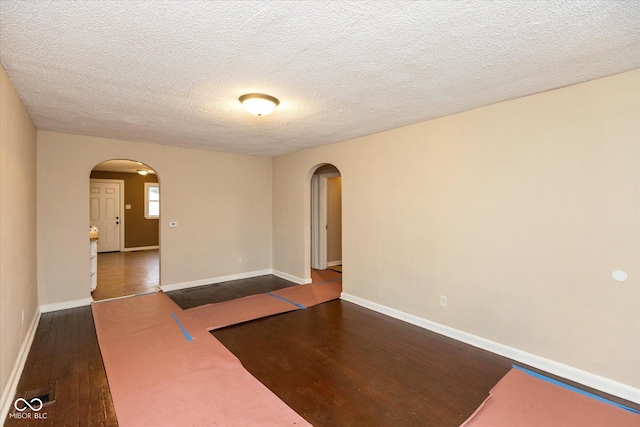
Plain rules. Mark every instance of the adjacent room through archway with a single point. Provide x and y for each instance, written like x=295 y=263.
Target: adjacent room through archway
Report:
x=124 y=209
x=326 y=223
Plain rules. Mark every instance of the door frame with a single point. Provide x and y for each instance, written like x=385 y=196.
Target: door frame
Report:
x=120 y=183
x=319 y=219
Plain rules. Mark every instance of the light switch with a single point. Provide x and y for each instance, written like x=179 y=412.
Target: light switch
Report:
x=127 y=206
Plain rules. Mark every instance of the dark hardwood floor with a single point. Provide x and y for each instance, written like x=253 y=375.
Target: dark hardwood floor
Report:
x=65 y=362
x=338 y=364
x=335 y=364
x=219 y=292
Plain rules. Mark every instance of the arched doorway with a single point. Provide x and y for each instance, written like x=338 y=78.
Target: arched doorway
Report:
x=326 y=219
x=124 y=207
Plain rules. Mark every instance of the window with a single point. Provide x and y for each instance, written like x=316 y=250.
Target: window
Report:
x=151 y=200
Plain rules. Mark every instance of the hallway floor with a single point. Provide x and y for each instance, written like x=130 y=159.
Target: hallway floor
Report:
x=127 y=273
x=132 y=273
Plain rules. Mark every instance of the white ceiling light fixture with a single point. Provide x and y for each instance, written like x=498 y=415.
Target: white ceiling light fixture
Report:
x=259 y=104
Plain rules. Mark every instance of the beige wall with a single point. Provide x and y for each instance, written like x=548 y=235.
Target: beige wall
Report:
x=517 y=212
x=222 y=203
x=18 y=287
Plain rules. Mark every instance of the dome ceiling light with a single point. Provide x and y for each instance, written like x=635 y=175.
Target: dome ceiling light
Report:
x=259 y=104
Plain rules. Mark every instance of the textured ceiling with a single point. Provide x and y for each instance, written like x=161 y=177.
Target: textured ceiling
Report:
x=171 y=72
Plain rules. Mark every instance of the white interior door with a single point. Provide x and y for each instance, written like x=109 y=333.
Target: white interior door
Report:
x=105 y=213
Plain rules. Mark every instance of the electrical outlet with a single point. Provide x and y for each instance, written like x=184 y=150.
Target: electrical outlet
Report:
x=443 y=301
x=23 y=317
x=239 y=260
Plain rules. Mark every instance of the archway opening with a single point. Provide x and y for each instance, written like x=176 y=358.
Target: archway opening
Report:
x=326 y=223
x=124 y=213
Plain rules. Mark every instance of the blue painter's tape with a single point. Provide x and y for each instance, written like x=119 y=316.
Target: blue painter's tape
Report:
x=184 y=331
x=572 y=388
x=287 y=300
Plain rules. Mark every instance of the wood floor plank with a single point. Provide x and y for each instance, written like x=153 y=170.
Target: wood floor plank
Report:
x=219 y=292
x=340 y=364
x=127 y=273
x=65 y=359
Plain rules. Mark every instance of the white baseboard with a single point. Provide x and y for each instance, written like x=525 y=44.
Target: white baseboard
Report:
x=565 y=371
x=212 y=280
x=334 y=263
x=289 y=277
x=141 y=248
x=12 y=384
x=46 y=308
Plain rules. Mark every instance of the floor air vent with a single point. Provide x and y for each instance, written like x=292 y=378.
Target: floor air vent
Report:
x=32 y=401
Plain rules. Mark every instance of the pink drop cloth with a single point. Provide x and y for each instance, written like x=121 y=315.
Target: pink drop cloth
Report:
x=159 y=378
x=227 y=313
x=522 y=400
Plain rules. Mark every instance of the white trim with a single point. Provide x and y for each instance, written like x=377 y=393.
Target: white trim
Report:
x=289 y=277
x=334 y=263
x=210 y=281
x=569 y=372
x=46 y=308
x=12 y=384
x=141 y=248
